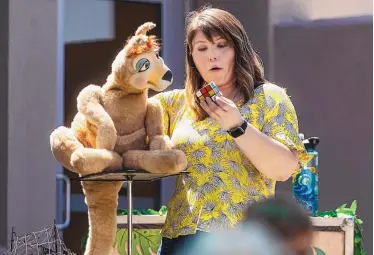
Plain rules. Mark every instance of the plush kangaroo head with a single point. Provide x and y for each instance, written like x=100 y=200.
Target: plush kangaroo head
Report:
x=138 y=64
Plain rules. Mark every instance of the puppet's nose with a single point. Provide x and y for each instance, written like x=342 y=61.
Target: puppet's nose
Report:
x=168 y=76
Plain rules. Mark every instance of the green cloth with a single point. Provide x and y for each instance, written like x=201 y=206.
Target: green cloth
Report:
x=144 y=241
x=162 y=212
x=350 y=212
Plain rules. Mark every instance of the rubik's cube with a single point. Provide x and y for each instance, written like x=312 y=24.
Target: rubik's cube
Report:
x=210 y=90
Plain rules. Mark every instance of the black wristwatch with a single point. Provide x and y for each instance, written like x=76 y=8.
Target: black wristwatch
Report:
x=239 y=130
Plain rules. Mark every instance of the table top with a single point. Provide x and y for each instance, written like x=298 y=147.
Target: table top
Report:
x=123 y=174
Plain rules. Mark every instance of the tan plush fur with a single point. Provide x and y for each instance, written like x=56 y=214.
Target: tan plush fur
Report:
x=117 y=124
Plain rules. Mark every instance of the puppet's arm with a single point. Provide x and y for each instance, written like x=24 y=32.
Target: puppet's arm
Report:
x=154 y=126
x=89 y=104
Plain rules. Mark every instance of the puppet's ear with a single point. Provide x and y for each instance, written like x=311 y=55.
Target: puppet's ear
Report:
x=143 y=29
x=136 y=47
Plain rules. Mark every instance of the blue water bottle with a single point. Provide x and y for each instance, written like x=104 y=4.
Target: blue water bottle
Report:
x=305 y=181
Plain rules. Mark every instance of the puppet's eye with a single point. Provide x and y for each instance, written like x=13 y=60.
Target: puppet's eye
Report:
x=142 y=65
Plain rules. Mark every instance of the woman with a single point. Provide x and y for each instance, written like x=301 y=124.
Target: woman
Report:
x=230 y=167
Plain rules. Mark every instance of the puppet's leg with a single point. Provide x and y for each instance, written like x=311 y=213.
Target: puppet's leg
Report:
x=102 y=202
x=70 y=153
x=156 y=161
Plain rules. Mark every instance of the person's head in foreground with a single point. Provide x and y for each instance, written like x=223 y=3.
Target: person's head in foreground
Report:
x=287 y=220
x=271 y=227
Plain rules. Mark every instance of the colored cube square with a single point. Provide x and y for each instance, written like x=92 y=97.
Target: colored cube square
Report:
x=212 y=85
x=209 y=90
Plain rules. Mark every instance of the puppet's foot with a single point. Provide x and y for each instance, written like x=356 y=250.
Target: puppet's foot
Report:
x=156 y=161
x=63 y=144
x=89 y=161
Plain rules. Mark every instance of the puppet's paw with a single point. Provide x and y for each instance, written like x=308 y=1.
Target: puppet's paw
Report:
x=106 y=136
x=160 y=142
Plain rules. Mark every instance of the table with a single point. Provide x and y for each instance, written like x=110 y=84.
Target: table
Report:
x=129 y=176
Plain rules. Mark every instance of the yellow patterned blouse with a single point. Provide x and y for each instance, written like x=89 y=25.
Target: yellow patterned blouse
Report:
x=222 y=181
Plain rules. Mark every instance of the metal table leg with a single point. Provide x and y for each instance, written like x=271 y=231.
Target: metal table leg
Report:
x=129 y=215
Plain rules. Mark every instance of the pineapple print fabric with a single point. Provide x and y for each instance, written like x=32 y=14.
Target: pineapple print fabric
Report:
x=222 y=181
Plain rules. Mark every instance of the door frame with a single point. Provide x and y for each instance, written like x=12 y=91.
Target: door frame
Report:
x=172 y=32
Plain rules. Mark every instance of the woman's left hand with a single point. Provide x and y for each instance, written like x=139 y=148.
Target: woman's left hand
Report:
x=224 y=111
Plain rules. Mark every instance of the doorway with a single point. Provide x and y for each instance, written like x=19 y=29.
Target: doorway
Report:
x=89 y=63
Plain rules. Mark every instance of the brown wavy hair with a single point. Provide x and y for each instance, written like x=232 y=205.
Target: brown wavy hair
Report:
x=248 y=66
